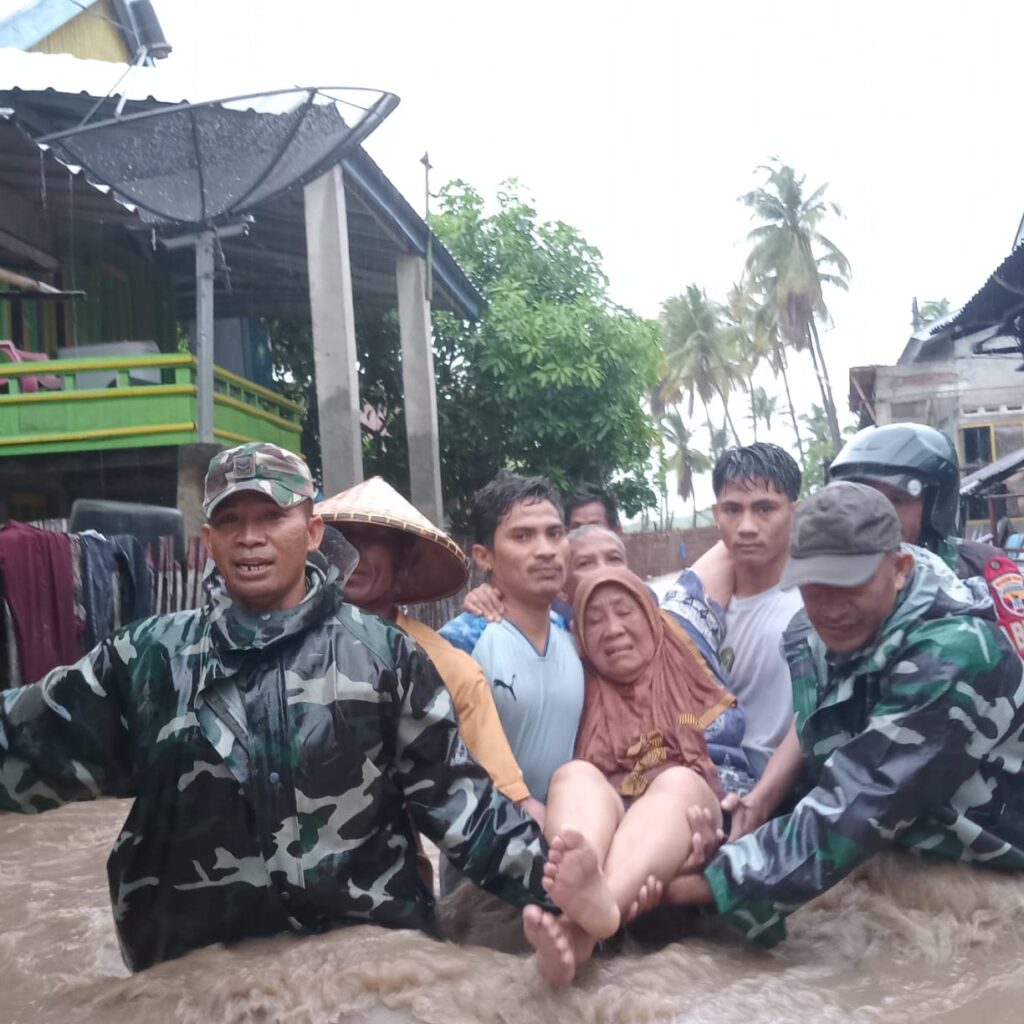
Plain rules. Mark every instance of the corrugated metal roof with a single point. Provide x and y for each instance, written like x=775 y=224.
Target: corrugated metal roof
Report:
x=999 y=296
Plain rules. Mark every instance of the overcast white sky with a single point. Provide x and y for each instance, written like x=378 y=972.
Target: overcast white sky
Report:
x=641 y=122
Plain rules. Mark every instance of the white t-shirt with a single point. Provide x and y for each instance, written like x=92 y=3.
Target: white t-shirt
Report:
x=758 y=673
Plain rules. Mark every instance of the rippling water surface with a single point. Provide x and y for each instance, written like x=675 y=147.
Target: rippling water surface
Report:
x=901 y=942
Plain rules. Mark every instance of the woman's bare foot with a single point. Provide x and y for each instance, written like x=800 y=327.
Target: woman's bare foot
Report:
x=554 y=955
x=574 y=880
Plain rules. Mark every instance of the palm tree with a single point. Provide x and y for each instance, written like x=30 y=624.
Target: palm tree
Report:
x=762 y=407
x=790 y=262
x=718 y=439
x=698 y=359
x=817 y=424
x=753 y=322
x=928 y=312
x=685 y=460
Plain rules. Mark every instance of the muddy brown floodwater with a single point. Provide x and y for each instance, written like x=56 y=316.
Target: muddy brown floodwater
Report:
x=900 y=942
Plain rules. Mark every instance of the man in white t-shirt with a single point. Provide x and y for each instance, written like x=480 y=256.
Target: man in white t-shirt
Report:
x=756 y=490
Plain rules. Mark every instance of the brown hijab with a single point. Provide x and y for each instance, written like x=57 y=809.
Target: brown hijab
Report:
x=633 y=732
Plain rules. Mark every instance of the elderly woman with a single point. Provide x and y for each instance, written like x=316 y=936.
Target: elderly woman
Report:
x=617 y=816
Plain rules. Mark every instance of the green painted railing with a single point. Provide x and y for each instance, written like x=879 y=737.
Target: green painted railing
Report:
x=135 y=411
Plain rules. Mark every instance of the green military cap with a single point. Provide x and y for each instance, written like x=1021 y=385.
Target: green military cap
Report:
x=258 y=466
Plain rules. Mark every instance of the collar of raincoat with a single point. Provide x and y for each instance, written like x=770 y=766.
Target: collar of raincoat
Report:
x=236 y=629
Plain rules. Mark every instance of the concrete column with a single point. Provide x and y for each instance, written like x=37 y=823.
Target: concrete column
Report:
x=204 y=336
x=334 y=334
x=418 y=386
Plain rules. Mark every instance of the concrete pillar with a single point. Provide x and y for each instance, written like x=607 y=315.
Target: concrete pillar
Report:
x=334 y=334
x=418 y=386
x=204 y=336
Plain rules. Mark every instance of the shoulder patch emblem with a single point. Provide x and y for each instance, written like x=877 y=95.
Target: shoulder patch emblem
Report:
x=1009 y=589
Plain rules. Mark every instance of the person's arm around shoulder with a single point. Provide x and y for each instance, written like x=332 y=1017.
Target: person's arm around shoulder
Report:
x=65 y=738
x=464 y=631
x=718 y=573
x=450 y=796
x=485 y=601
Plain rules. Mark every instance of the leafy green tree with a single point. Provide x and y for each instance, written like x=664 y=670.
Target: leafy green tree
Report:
x=790 y=262
x=385 y=451
x=553 y=379
x=820 y=450
x=700 y=358
x=682 y=458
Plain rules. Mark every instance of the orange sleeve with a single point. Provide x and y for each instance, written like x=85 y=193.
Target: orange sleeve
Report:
x=479 y=723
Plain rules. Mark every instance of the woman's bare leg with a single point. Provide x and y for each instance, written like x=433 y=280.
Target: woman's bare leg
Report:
x=581 y=817
x=654 y=837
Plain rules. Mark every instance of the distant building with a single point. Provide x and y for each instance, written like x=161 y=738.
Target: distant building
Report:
x=962 y=375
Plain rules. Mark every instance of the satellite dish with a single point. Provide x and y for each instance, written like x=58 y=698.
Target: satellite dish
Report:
x=205 y=164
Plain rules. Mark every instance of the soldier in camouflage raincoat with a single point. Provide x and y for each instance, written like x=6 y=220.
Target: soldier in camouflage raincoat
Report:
x=913 y=740
x=280 y=762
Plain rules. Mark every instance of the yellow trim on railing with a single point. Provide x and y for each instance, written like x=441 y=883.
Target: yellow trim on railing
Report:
x=95 y=393
x=230 y=435
x=258 y=389
x=86 y=435
x=59 y=367
x=253 y=411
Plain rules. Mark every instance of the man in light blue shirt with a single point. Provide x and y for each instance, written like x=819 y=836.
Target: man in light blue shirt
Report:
x=532 y=666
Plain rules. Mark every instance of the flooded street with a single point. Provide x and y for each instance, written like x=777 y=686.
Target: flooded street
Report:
x=900 y=943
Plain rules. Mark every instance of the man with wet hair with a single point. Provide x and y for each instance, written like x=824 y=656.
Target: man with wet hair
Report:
x=909 y=720
x=756 y=490
x=281 y=746
x=590 y=505
x=535 y=674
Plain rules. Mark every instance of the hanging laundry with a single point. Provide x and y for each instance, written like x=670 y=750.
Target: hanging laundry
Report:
x=38 y=586
x=117 y=584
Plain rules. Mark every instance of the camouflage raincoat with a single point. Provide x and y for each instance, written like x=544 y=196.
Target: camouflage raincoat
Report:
x=914 y=742
x=280 y=764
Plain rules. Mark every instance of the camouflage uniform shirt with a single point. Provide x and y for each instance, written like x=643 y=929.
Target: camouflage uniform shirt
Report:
x=280 y=764
x=914 y=742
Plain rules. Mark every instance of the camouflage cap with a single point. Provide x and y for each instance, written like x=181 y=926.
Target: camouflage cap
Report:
x=258 y=466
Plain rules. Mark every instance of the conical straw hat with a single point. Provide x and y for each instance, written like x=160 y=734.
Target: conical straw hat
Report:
x=438 y=567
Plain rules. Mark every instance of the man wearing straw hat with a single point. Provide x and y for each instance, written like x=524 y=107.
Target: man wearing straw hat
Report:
x=281 y=747
x=405 y=559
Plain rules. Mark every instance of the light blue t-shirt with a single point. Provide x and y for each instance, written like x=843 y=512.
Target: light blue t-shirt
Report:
x=539 y=697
